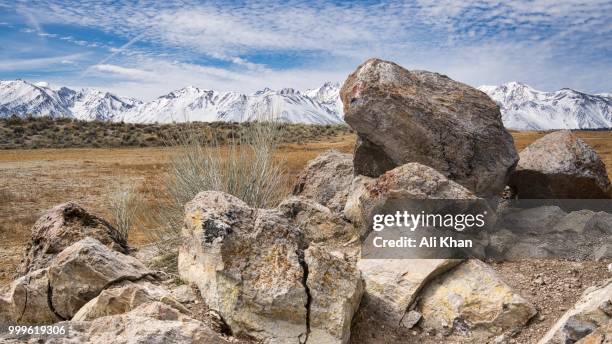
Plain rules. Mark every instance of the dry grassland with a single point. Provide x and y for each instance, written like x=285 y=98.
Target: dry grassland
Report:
x=32 y=181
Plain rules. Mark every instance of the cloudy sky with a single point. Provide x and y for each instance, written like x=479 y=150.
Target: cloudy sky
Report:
x=147 y=48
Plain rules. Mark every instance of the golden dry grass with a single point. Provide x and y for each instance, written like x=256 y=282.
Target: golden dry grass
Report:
x=32 y=181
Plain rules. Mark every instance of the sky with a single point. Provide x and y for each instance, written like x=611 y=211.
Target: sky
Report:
x=145 y=49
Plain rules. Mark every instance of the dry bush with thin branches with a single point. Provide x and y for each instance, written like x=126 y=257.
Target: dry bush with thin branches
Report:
x=125 y=206
x=245 y=166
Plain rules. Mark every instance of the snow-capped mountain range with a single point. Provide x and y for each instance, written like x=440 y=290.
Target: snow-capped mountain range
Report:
x=522 y=107
x=317 y=106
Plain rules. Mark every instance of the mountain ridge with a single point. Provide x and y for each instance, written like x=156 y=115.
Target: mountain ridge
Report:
x=522 y=107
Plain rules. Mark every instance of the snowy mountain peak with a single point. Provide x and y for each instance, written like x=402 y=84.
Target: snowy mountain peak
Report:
x=525 y=108
x=23 y=98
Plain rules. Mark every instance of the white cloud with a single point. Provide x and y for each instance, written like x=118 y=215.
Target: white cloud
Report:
x=549 y=43
x=28 y=64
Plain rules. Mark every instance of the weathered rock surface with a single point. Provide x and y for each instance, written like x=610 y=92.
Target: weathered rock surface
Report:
x=27 y=301
x=558 y=166
x=318 y=223
x=392 y=285
x=61 y=227
x=602 y=335
x=406 y=116
x=335 y=288
x=83 y=270
x=75 y=276
x=252 y=266
x=541 y=219
x=246 y=264
x=471 y=297
x=326 y=179
x=153 y=322
x=592 y=311
x=125 y=297
x=402 y=188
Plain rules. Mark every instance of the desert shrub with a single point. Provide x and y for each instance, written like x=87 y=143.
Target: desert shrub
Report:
x=124 y=207
x=244 y=167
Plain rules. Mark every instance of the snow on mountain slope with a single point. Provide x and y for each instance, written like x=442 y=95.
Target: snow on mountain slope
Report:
x=22 y=98
x=524 y=108
x=90 y=104
x=194 y=104
x=328 y=95
x=18 y=96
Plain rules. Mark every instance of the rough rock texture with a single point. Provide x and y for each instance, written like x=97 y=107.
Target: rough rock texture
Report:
x=603 y=335
x=153 y=322
x=75 y=276
x=539 y=219
x=124 y=297
x=335 y=288
x=472 y=297
x=326 y=179
x=406 y=116
x=27 y=301
x=83 y=270
x=398 y=189
x=560 y=165
x=61 y=227
x=246 y=264
x=592 y=311
x=318 y=223
x=392 y=285
x=253 y=267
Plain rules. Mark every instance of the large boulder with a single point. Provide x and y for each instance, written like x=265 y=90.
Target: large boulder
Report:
x=253 y=267
x=61 y=227
x=392 y=285
x=76 y=275
x=558 y=166
x=326 y=179
x=406 y=116
x=592 y=311
x=471 y=297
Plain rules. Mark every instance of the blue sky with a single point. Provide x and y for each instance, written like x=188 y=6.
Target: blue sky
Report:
x=147 y=48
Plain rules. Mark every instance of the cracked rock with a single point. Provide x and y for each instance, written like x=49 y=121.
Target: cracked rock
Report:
x=256 y=272
x=335 y=288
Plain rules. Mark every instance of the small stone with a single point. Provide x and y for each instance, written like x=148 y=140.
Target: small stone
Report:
x=411 y=319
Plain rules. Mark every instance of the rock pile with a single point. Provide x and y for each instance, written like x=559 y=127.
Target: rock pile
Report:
x=295 y=273
x=76 y=271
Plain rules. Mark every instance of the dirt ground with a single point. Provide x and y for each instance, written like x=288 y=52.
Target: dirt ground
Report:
x=32 y=181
